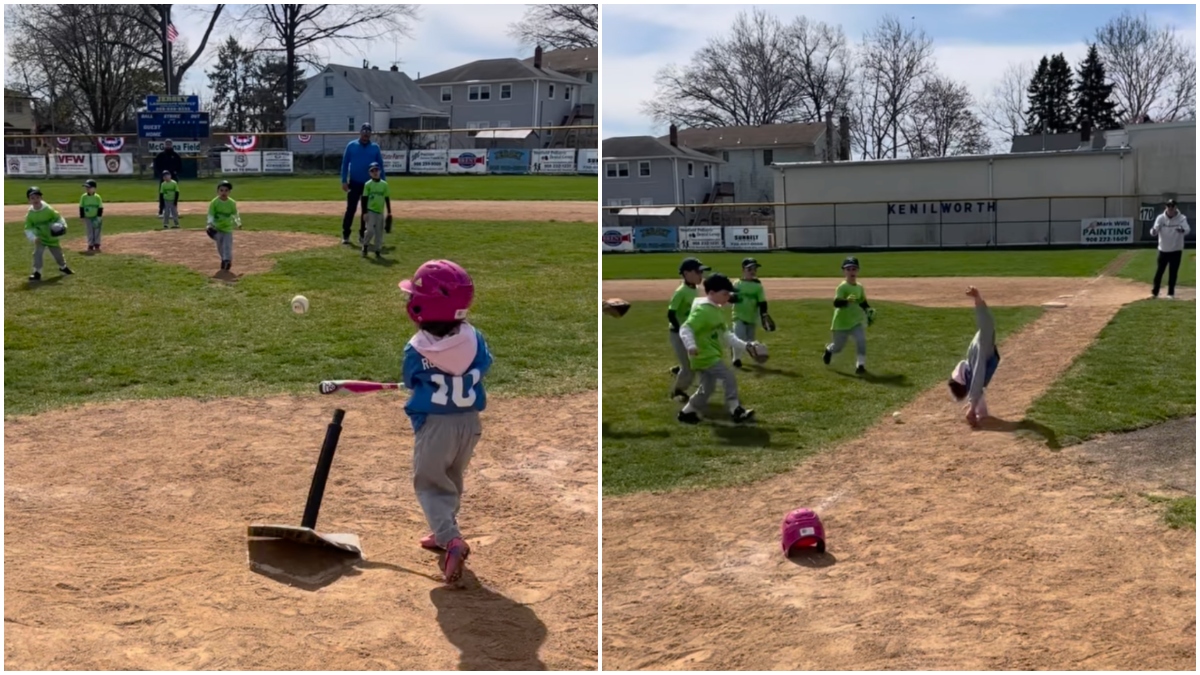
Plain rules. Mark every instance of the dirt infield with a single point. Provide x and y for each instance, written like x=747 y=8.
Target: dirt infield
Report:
x=192 y=248
x=414 y=210
x=125 y=539
x=948 y=549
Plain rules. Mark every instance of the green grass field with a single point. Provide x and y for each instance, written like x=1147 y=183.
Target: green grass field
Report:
x=129 y=327
x=1141 y=268
x=802 y=405
x=1140 y=371
x=60 y=191
x=1074 y=263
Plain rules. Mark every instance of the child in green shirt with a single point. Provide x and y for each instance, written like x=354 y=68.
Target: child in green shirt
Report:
x=43 y=227
x=692 y=271
x=91 y=211
x=749 y=305
x=375 y=197
x=222 y=219
x=168 y=190
x=851 y=316
x=705 y=335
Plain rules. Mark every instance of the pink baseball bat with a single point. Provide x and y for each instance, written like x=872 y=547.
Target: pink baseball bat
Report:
x=355 y=386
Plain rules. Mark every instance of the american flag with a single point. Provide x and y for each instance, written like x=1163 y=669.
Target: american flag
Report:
x=172 y=34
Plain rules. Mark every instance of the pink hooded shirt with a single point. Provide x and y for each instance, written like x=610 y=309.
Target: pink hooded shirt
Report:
x=452 y=354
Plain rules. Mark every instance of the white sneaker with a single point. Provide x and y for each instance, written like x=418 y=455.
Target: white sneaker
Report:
x=1170 y=297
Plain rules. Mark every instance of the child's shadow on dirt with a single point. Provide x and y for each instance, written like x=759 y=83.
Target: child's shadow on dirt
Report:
x=998 y=424
x=44 y=283
x=607 y=432
x=892 y=380
x=741 y=435
x=810 y=558
x=490 y=631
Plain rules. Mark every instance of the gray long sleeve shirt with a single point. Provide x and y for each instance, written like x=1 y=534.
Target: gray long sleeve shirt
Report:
x=982 y=347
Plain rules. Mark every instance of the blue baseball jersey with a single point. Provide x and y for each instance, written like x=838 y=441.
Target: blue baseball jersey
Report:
x=435 y=392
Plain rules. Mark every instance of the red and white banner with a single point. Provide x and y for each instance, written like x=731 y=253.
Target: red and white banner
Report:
x=111 y=144
x=243 y=143
x=70 y=164
x=113 y=164
x=64 y=141
x=304 y=138
x=467 y=161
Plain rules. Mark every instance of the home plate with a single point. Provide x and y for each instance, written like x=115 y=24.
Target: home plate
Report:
x=1054 y=305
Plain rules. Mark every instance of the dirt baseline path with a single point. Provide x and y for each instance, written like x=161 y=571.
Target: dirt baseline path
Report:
x=413 y=210
x=125 y=539
x=948 y=549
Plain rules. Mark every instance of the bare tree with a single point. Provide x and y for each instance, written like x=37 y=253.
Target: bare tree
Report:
x=294 y=30
x=558 y=26
x=1003 y=111
x=943 y=122
x=174 y=59
x=893 y=61
x=823 y=68
x=1153 y=74
x=747 y=78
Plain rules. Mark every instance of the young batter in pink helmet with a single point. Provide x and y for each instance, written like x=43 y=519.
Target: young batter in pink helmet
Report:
x=444 y=366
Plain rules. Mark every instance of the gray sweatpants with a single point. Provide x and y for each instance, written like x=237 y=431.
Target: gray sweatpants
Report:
x=685 y=377
x=709 y=377
x=225 y=245
x=170 y=211
x=443 y=449
x=55 y=252
x=93 y=230
x=859 y=333
x=745 y=331
x=374 y=231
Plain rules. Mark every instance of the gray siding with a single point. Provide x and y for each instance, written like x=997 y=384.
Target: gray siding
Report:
x=330 y=113
x=519 y=111
x=754 y=181
x=660 y=185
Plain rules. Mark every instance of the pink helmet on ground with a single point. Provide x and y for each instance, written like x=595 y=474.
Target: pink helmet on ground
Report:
x=802 y=527
x=439 y=290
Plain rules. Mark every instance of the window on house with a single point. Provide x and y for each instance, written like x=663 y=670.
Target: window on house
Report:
x=18 y=106
x=768 y=157
x=551 y=90
x=707 y=170
x=725 y=155
x=350 y=125
x=692 y=205
x=479 y=92
x=589 y=77
x=691 y=170
x=308 y=124
x=616 y=170
x=447 y=94
x=505 y=92
x=626 y=202
x=504 y=124
x=646 y=201
x=328 y=86
x=644 y=169
x=567 y=93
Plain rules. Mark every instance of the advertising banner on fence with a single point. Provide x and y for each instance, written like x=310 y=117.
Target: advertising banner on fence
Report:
x=1107 y=231
x=616 y=239
x=110 y=164
x=707 y=238
x=554 y=160
x=508 y=161
x=241 y=162
x=395 y=162
x=25 y=165
x=70 y=164
x=427 y=161
x=655 y=238
x=588 y=162
x=181 y=147
x=753 y=238
x=467 y=161
x=277 y=161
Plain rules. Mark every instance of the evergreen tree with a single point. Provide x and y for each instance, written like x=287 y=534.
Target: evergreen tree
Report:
x=1060 y=95
x=1093 y=94
x=1037 y=114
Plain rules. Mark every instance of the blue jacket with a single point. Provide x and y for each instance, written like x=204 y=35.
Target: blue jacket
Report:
x=358 y=158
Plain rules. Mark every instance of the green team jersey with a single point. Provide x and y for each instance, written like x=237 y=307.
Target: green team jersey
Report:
x=169 y=190
x=91 y=205
x=681 y=302
x=222 y=212
x=707 y=323
x=39 y=223
x=376 y=192
x=845 y=318
x=750 y=295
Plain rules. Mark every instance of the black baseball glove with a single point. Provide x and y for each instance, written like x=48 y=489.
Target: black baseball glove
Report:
x=387 y=227
x=211 y=232
x=58 y=229
x=768 y=323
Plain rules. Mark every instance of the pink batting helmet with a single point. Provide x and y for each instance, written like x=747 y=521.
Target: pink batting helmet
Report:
x=802 y=527
x=440 y=290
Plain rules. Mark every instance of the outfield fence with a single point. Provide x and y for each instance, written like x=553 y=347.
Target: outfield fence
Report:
x=1059 y=221
x=570 y=150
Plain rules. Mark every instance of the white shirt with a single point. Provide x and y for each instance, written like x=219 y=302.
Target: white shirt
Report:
x=1170 y=238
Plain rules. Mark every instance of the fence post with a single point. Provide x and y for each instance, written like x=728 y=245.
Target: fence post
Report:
x=1049 y=220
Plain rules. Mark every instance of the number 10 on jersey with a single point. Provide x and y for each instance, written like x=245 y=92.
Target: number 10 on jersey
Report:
x=456 y=391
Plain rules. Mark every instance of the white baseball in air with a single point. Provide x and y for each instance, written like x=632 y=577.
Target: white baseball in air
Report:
x=300 y=304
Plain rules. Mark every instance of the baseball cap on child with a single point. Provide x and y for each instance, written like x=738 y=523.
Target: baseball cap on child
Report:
x=692 y=265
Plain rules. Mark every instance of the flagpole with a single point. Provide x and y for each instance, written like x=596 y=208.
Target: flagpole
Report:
x=167 y=44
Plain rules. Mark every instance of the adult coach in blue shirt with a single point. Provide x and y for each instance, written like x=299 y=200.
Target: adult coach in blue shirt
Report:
x=356 y=163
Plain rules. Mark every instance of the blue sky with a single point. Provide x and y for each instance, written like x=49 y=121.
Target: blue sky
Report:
x=972 y=43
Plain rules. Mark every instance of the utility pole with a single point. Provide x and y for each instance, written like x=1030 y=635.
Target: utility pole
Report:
x=166 y=22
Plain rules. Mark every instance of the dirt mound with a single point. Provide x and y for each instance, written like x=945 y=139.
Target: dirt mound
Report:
x=1157 y=458
x=193 y=249
x=125 y=539
x=948 y=550
x=413 y=210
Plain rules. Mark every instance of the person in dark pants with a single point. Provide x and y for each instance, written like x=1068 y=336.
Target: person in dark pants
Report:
x=167 y=160
x=1171 y=228
x=356 y=163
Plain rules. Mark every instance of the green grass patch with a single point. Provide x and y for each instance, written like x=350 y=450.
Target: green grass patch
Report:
x=128 y=327
x=1075 y=263
x=1141 y=268
x=63 y=191
x=802 y=405
x=1180 y=512
x=1140 y=371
